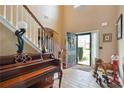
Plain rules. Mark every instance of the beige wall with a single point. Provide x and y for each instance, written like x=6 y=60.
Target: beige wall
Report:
x=50 y=16
x=8 y=43
x=88 y=18
x=121 y=45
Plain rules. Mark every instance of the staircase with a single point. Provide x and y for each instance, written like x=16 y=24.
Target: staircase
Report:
x=36 y=35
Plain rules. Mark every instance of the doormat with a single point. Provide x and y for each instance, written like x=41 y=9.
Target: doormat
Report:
x=83 y=68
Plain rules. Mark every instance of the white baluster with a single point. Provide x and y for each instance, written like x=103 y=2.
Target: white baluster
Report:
x=30 y=28
x=50 y=44
x=53 y=45
x=40 y=38
x=17 y=17
x=26 y=16
x=43 y=38
x=36 y=36
x=47 y=43
x=11 y=14
x=22 y=13
x=56 y=49
x=46 y=40
x=4 y=12
x=34 y=32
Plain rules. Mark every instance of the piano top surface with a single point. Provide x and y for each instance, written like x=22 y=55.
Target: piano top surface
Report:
x=21 y=65
x=23 y=78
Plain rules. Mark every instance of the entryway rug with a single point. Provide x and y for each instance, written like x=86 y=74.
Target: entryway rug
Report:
x=82 y=67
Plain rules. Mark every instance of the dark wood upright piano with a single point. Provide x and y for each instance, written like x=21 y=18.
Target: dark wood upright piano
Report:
x=35 y=73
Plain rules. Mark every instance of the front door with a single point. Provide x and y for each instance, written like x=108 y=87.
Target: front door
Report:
x=84 y=49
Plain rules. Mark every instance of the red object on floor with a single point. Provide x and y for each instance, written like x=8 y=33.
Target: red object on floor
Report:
x=115 y=60
x=115 y=80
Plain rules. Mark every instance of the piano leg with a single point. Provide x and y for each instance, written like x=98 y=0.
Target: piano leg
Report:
x=51 y=87
x=60 y=78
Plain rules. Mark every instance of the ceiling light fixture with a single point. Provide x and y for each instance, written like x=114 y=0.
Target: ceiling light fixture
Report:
x=76 y=6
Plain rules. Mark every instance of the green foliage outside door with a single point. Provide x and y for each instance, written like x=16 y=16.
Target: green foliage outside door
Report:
x=80 y=53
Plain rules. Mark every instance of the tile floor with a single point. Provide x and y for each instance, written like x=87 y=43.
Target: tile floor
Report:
x=74 y=78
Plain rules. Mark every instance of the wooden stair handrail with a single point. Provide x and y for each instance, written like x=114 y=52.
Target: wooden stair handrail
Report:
x=33 y=16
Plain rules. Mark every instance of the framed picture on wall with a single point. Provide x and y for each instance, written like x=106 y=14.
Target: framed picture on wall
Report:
x=107 y=37
x=119 y=27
